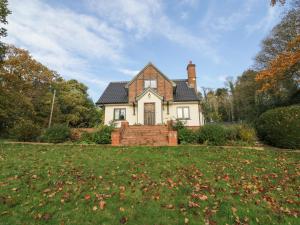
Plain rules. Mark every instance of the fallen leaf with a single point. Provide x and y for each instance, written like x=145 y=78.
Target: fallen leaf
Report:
x=193 y=204
x=102 y=204
x=186 y=220
x=200 y=196
x=122 y=188
x=47 y=190
x=233 y=210
x=169 y=206
x=123 y=220
x=87 y=197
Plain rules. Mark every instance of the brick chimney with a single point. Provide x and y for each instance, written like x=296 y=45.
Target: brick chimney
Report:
x=191 y=71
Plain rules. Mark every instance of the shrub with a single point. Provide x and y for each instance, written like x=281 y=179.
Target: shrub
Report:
x=212 y=134
x=246 y=133
x=56 y=134
x=25 y=130
x=101 y=136
x=86 y=137
x=232 y=132
x=187 y=136
x=280 y=127
x=178 y=125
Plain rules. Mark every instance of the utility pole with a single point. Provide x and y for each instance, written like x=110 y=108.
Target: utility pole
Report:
x=50 y=119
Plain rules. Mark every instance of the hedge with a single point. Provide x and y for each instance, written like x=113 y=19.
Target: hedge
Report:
x=280 y=127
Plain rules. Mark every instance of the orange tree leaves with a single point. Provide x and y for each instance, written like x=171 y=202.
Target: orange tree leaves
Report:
x=274 y=2
x=281 y=68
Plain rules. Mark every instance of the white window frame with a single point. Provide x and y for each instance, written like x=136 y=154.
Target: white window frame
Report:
x=184 y=111
x=119 y=113
x=152 y=83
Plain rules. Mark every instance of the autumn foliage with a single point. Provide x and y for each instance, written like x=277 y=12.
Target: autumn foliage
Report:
x=283 y=67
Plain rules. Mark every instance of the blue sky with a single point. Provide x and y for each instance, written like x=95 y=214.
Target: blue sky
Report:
x=98 y=41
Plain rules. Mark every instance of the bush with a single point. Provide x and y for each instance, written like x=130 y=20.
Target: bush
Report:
x=246 y=133
x=187 y=136
x=86 y=138
x=280 y=127
x=25 y=130
x=101 y=136
x=56 y=134
x=212 y=134
x=241 y=132
x=232 y=132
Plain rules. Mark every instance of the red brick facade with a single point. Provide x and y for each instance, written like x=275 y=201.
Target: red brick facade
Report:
x=164 y=86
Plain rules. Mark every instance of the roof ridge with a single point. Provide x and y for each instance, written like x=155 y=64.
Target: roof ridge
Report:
x=179 y=79
x=118 y=82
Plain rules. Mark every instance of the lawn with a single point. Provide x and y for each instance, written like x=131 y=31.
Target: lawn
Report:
x=59 y=184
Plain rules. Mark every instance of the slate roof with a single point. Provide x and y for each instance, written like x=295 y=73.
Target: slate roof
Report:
x=116 y=92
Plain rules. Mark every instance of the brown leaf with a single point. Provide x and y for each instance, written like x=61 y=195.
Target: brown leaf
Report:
x=200 y=196
x=169 y=206
x=87 y=197
x=102 y=204
x=233 y=210
x=123 y=220
x=47 y=190
x=193 y=204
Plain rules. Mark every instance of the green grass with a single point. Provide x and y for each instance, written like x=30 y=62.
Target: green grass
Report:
x=58 y=184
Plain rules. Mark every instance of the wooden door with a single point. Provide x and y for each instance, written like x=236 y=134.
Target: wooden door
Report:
x=149 y=113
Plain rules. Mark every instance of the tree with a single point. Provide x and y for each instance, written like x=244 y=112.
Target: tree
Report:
x=245 y=98
x=77 y=108
x=26 y=88
x=277 y=41
x=4 y=11
x=24 y=83
x=281 y=79
x=274 y=2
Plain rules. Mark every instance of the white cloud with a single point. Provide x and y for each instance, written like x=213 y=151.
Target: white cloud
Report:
x=62 y=39
x=129 y=72
x=148 y=17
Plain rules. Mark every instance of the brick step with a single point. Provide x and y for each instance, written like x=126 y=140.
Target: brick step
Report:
x=158 y=138
x=152 y=132
x=147 y=128
x=151 y=143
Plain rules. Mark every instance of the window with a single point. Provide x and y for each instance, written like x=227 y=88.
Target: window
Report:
x=119 y=114
x=183 y=112
x=150 y=83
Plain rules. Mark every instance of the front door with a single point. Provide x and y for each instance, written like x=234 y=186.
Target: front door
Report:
x=149 y=114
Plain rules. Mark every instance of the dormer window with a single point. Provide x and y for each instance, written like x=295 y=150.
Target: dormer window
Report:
x=150 y=84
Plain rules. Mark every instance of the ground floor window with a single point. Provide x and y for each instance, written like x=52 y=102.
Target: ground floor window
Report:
x=183 y=112
x=119 y=114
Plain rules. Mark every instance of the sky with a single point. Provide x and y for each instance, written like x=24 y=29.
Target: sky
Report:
x=100 y=41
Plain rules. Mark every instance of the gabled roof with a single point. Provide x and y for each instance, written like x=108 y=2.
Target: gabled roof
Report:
x=184 y=92
x=149 y=90
x=148 y=65
x=116 y=92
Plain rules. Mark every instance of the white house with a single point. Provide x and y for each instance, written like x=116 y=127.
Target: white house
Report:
x=151 y=98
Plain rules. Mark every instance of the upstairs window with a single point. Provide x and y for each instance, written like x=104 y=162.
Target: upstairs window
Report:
x=150 y=84
x=119 y=114
x=183 y=113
